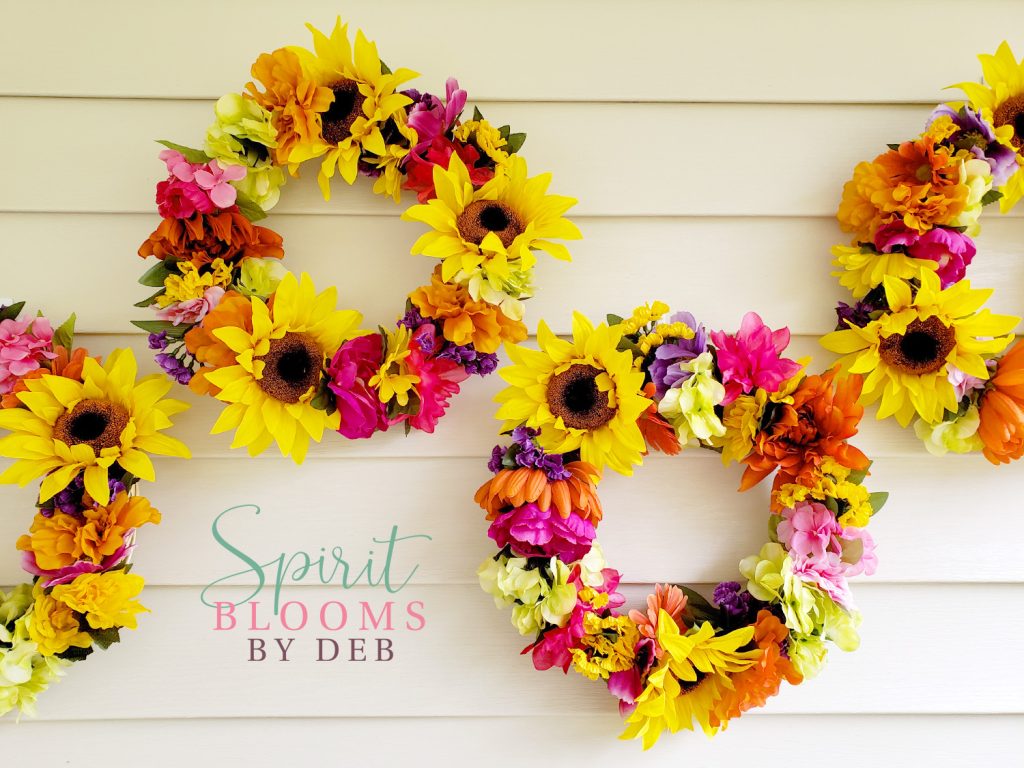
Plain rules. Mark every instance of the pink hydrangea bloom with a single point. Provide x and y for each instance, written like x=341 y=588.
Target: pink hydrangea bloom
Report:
x=751 y=358
x=195 y=187
x=534 y=532
x=353 y=365
x=439 y=378
x=828 y=574
x=215 y=179
x=857 y=551
x=808 y=530
x=193 y=310
x=24 y=345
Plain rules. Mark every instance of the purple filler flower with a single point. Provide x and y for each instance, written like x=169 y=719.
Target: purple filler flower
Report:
x=70 y=502
x=665 y=369
x=524 y=452
x=174 y=368
x=978 y=137
x=158 y=341
x=735 y=601
x=534 y=532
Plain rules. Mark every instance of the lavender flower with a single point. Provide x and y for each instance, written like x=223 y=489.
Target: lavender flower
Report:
x=524 y=452
x=734 y=601
x=70 y=500
x=174 y=368
x=978 y=137
x=158 y=341
x=475 y=363
x=665 y=370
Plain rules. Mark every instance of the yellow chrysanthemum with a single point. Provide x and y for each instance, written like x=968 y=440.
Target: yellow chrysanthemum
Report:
x=830 y=482
x=485 y=136
x=190 y=284
x=688 y=681
x=1000 y=100
x=486 y=236
x=105 y=599
x=582 y=395
x=906 y=353
x=607 y=646
x=393 y=381
x=861 y=269
x=53 y=626
x=742 y=420
x=278 y=368
x=364 y=100
x=69 y=427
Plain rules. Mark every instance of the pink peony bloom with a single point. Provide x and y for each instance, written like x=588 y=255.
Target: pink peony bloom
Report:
x=176 y=199
x=750 y=358
x=894 y=235
x=192 y=311
x=828 y=574
x=808 y=530
x=439 y=378
x=24 y=345
x=353 y=365
x=215 y=178
x=533 y=532
x=953 y=251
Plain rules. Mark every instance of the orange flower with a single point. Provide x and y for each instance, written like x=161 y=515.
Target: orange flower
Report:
x=234 y=310
x=755 y=685
x=70 y=367
x=466 y=321
x=516 y=487
x=1002 y=409
x=204 y=237
x=667 y=597
x=658 y=433
x=823 y=415
x=295 y=101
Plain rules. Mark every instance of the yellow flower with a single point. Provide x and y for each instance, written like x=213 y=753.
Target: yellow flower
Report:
x=687 y=683
x=582 y=395
x=68 y=427
x=485 y=136
x=389 y=182
x=278 y=367
x=393 y=380
x=906 y=352
x=862 y=268
x=192 y=285
x=607 y=645
x=364 y=100
x=53 y=626
x=742 y=420
x=486 y=236
x=1000 y=100
x=831 y=482
x=642 y=315
x=106 y=599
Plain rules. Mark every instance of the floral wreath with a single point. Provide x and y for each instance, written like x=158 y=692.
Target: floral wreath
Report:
x=288 y=365
x=916 y=330
x=86 y=427
x=606 y=398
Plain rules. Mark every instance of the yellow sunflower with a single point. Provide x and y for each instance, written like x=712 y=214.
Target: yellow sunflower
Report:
x=689 y=680
x=486 y=236
x=907 y=352
x=278 y=368
x=364 y=100
x=862 y=268
x=1000 y=100
x=70 y=427
x=582 y=395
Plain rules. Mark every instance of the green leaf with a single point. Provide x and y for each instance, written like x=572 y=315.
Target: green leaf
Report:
x=12 y=311
x=877 y=500
x=893 y=146
x=477 y=114
x=151 y=300
x=614 y=319
x=154 y=276
x=192 y=155
x=697 y=607
x=64 y=336
x=991 y=196
x=157 y=326
x=504 y=131
x=385 y=69
x=249 y=209
x=105 y=638
x=858 y=476
x=515 y=142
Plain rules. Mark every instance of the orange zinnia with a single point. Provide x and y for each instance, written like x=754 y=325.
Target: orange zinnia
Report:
x=234 y=310
x=1002 y=409
x=512 y=488
x=823 y=415
x=667 y=597
x=70 y=367
x=466 y=321
x=226 y=235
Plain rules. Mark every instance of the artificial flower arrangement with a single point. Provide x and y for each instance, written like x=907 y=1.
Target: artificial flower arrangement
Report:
x=87 y=428
x=288 y=365
x=916 y=329
x=605 y=399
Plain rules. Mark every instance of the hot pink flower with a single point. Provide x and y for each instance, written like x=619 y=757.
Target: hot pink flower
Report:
x=215 y=179
x=628 y=685
x=534 y=532
x=71 y=572
x=439 y=378
x=894 y=235
x=192 y=311
x=420 y=167
x=750 y=358
x=24 y=344
x=195 y=187
x=353 y=365
x=431 y=117
x=808 y=530
x=176 y=199
x=953 y=251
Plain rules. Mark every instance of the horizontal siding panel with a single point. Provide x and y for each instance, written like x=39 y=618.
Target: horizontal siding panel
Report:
x=466 y=662
x=621 y=262
x=657 y=50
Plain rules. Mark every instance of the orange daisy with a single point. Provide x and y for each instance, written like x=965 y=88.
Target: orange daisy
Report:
x=1002 y=409
x=515 y=487
x=666 y=597
x=68 y=366
x=234 y=310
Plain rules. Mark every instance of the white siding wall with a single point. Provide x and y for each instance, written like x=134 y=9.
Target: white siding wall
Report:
x=707 y=144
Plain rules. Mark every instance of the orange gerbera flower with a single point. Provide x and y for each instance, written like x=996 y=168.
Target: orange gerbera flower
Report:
x=666 y=597
x=295 y=101
x=226 y=235
x=756 y=684
x=515 y=487
x=824 y=414
x=658 y=433
x=1002 y=409
x=466 y=321
x=234 y=310
x=68 y=366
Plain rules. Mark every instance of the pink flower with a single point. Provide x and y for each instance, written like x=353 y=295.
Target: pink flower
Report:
x=195 y=187
x=176 y=199
x=215 y=179
x=963 y=383
x=750 y=358
x=192 y=311
x=439 y=378
x=533 y=532
x=808 y=530
x=857 y=549
x=420 y=167
x=431 y=117
x=353 y=365
x=953 y=251
x=828 y=574
x=627 y=685
x=894 y=235
x=71 y=572
x=23 y=346
x=177 y=165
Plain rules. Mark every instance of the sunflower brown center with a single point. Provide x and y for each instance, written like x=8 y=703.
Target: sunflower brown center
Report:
x=1011 y=112
x=347 y=106
x=922 y=349
x=96 y=423
x=688 y=686
x=483 y=216
x=291 y=367
x=574 y=395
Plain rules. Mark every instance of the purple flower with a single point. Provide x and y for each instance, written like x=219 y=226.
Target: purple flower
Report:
x=475 y=363
x=497 y=455
x=70 y=500
x=534 y=532
x=665 y=369
x=978 y=137
x=158 y=341
x=174 y=367
x=859 y=313
x=735 y=601
x=525 y=452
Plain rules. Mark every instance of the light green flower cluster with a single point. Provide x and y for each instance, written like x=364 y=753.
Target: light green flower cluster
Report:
x=260 y=277
x=539 y=596
x=243 y=134
x=959 y=435
x=24 y=672
x=690 y=408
